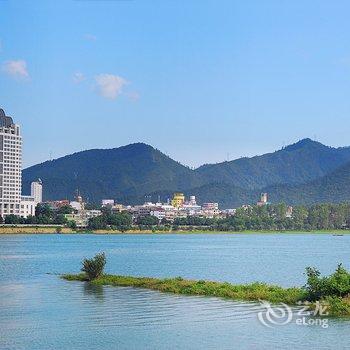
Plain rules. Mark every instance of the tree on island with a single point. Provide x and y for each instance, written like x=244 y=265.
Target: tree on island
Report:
x=94 y=267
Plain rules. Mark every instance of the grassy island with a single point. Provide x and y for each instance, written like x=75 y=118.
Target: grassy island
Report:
x=253 y=292
x=332 y=291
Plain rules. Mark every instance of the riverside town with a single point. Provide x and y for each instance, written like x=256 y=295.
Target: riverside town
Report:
x=16 y=208
x=176 y=214
x=174 y=175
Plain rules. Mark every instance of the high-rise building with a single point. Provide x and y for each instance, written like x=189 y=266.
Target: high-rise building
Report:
x=10 y=166
x=36 y=190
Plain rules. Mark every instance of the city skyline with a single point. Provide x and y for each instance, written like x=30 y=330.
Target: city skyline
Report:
x=201 y=82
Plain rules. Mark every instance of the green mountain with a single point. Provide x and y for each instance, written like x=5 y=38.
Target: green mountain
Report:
x=132 y=172
x=298 y=163
x=129 y=171
x=332 y=188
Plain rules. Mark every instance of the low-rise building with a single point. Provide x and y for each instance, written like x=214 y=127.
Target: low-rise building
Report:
x=210 y=206
x=29 y=203
x=229 y=212
x=107 y=202
x=57 y=204
x=118 y=208
x=81 y=218
x=159 y=213
x=289 y=212
x=263 y=200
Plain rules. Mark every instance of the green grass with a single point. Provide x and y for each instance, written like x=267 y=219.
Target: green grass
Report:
x=250 y=292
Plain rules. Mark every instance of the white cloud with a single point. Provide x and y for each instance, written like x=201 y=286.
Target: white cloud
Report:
x=78 y=77
x=90 y=37
x=16 y=68
x=109 y=85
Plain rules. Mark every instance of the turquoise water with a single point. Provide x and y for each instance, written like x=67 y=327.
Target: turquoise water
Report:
x=40 y=311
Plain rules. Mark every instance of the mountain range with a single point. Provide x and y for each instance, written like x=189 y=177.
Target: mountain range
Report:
x=302 y=173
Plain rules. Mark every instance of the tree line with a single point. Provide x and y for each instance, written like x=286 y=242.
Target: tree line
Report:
x=255 y=218
x=274 y=217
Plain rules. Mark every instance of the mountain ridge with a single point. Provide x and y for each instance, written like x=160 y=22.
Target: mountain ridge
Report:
x=297 y=163
x=131 y=172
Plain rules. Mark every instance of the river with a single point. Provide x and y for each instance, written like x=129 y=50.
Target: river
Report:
x=41 y=311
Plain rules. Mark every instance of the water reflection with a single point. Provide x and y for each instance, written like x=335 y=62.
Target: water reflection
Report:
x=94 y=290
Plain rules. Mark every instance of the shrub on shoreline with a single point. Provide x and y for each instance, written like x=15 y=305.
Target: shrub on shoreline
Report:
x=334 y=285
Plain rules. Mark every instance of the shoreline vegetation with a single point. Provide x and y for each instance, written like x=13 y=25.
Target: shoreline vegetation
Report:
x=13 y=229
x=178 y=285
x=60 y=229
x=266 y=218
x=331 y=291
x=253 y=292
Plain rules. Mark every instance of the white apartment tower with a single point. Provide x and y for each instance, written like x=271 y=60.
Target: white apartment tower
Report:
x=10 y=166
x=36 y=191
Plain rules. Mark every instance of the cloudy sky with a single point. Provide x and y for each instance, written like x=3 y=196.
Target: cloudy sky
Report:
x=203 y=81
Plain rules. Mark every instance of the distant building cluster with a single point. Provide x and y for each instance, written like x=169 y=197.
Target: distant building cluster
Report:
x=177 y=207
x=79 y=214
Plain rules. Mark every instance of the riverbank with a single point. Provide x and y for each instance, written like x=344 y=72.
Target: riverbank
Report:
x=52 y=229
x=210 y=232
x=18 y=229
x=249 y=292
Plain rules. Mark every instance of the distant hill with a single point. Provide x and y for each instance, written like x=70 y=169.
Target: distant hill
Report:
x=298 y=163
x=332 y=188
x=129 y=171
x=132 y=172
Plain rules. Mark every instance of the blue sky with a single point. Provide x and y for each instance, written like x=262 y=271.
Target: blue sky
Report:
x=202 y=81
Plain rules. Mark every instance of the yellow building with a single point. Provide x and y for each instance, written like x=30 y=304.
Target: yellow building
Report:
x=178 y=200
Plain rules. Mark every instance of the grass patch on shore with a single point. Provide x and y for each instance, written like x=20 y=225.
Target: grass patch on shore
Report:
x=249 y=292
x=332 y=292
x=336 y=306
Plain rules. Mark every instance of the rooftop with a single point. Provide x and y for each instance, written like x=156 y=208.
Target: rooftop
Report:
x=5 y=120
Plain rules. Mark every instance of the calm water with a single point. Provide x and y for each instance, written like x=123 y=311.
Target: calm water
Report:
x=40 y=311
